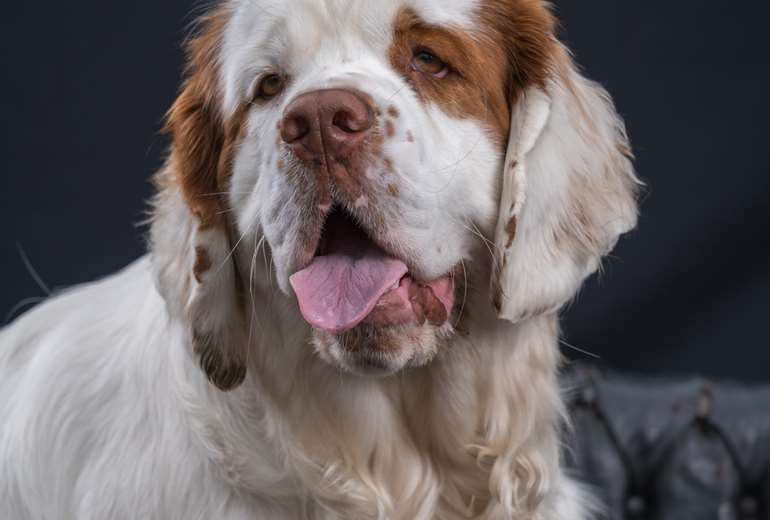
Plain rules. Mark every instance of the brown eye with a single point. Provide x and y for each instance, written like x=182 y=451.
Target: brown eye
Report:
x=270 y=86
x=428 y=63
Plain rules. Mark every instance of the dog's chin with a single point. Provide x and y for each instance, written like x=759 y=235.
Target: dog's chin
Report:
x=372 y=351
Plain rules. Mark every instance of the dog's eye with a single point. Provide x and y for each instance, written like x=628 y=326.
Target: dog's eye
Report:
x=428 y=63
x=270 y=86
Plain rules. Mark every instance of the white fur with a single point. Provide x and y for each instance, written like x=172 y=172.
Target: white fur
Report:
x=107 y=415
x=105 y=412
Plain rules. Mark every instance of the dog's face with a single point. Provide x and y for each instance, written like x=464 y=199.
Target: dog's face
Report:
x=366 y=143
x=371 y=148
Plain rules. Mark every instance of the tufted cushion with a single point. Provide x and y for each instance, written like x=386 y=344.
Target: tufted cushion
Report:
x=671 y=450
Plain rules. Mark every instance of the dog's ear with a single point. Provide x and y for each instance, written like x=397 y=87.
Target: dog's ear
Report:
x=197 y=174
x=569 y=191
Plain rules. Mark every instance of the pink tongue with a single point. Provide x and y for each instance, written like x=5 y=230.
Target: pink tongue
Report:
x=338 y=291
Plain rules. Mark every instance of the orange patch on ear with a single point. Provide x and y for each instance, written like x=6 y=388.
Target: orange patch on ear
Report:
x=526 y=31
x=203 y=142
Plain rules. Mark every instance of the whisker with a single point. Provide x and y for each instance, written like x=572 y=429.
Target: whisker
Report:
x=577 y=349
x=31 y=270
x=465 y=293
x=19 y=306
x=254 y=317
x=491 y=244
x=398 y=90
x=230 y=254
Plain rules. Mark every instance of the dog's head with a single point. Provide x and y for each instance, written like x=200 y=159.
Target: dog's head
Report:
x=379 y=150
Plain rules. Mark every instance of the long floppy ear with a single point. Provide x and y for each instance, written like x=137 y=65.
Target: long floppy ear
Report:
x=194 y=247
x=569 y=191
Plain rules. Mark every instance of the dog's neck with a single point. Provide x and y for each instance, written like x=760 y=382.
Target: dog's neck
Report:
x=479 y=425
x=469 y=422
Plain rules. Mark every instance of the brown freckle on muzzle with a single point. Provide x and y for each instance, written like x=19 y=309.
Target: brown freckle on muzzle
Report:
x=393 y=190
x=409 y=137
x=393 y=111
x=390 y=129
x=202 y=263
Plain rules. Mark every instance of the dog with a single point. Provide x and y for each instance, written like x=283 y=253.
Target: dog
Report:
x=370 y=216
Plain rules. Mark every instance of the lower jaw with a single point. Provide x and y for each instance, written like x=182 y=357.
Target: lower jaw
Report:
x=381 y=351
x=374 y=364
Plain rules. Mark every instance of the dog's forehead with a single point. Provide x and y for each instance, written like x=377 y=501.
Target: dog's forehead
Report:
x=336 y=15
x=285 y=34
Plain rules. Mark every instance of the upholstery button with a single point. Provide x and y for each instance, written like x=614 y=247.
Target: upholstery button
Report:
x=636 y=507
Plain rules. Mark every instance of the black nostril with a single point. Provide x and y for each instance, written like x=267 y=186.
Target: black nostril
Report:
x=294 y=128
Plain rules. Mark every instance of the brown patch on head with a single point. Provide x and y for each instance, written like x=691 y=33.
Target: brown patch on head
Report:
x=202 y=263
x=510 y=50
x=203 y=141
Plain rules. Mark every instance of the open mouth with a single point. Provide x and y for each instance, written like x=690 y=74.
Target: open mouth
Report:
x=352 y=280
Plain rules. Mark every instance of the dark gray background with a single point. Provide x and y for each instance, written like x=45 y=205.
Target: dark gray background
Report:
x=85 y=85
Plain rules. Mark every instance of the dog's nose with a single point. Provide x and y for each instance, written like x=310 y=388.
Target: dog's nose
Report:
x=331 y=123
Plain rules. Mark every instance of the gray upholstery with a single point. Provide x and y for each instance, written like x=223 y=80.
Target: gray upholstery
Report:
x=671 y=450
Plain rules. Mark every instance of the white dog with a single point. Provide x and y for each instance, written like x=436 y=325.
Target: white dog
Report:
x=371 y=214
